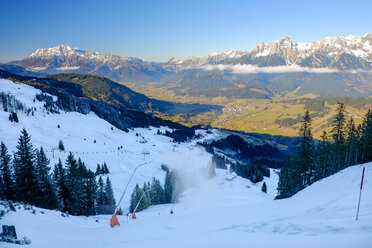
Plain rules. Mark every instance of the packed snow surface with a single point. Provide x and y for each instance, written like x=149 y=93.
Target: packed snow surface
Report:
x=224 y=211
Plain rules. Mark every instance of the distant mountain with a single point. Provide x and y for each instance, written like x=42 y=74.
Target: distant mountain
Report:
x=332 y=67
x=343 y=53
x=227 y=57
x=20 y=70
x=66 y=59
x=337 y=53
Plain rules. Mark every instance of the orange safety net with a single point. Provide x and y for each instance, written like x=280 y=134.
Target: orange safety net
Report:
x=114 y=221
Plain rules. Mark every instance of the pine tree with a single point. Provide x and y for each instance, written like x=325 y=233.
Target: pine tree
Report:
x=304 y=160
x=351 y=142
x=359 y=148
x=149 y=196
x=59 y=178
x=6 y=173
x=15 y=117
x=264 y=187
x=297 y=174
x=151 y=193
x=286 y=182
x=109 y=193
x=132 y=200
x=110 y=199
x=105 y=169
x=2 y=190
x=61 y=146
x=143 y=203
x=323 y=158
x=82 y=169
x=26 y=184
x=101 y=196
x=157 y=192
x=75 y=186
x=147 y=193
x=366 y=138
x=47 y=197
x=338 y=136
x=98 y=170
x=90 y=193
x=169 y=187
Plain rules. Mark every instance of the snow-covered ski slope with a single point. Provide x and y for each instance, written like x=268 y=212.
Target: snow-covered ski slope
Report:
x=323 y=215
x=97 y=141
x=225 y=211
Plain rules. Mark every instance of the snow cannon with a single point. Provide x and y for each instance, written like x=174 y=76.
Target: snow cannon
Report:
x=114 y=221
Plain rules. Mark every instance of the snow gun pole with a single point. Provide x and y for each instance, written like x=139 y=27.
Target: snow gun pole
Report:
x=113 y=220
x=144 y=192
x=360 y=193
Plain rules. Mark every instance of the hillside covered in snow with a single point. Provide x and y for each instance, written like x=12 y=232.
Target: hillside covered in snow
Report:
x=223 y=211
x=94 y=140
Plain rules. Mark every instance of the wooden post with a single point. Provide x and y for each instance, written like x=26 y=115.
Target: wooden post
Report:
x=360 y=193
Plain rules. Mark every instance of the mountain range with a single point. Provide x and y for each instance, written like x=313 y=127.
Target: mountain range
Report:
x=63 y=58
x=337 y=53
x=342 y=53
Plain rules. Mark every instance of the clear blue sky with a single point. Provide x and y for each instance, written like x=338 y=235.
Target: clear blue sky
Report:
x=158 y=30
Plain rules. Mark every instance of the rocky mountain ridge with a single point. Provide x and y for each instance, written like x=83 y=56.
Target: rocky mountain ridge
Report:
x=340 y=53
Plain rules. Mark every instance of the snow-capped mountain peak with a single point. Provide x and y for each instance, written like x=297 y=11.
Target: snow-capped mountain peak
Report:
x=60 y=50
x=342 y=53
x=64 y=58
x=350 y=52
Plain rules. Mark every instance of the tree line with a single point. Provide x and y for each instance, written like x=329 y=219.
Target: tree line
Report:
x=153 y=193
x=246 y=160
x=347 y=144
x=102 y=169
x=71 y=188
